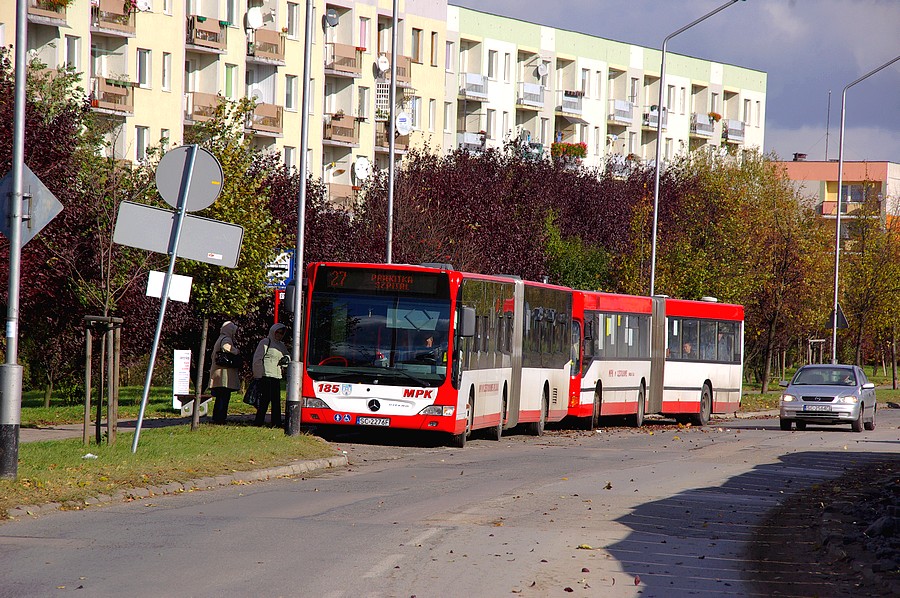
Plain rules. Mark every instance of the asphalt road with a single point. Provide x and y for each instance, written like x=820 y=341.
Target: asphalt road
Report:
x=658 y=512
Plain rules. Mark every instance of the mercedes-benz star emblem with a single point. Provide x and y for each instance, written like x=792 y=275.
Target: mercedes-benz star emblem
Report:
x=374 y=405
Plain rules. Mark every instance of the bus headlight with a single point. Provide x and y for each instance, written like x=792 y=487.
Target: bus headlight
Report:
x=444 y=410
x=314 y=403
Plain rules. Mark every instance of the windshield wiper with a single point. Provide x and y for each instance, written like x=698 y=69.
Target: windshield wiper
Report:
x=407 y=374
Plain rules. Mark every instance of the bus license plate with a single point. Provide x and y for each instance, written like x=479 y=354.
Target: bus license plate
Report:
x=817 y=407
x=373 y=421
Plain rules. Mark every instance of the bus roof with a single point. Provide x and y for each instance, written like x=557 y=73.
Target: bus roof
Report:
x=611 y=302
x=704 y=309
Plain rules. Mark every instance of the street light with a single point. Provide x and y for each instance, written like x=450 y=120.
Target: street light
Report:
x=659 y=108
x=837 y=226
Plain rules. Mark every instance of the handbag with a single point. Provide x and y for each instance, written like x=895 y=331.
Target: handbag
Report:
x=251 y=397
x=227 y=359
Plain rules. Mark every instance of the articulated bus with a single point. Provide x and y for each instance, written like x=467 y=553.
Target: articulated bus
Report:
x=431 y=348
x=655 y=355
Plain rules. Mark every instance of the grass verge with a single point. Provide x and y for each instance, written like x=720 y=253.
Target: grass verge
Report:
x=56 y=471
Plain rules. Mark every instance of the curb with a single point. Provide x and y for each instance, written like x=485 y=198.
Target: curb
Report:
x=236 y=478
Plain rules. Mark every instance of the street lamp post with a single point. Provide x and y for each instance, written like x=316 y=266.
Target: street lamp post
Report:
x=659 y=120
x=837 y=226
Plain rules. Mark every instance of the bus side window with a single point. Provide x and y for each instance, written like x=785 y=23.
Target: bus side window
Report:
x=673 y=350
x=707 y=340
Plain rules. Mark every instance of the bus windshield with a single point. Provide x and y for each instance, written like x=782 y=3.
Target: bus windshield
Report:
x=378 y=336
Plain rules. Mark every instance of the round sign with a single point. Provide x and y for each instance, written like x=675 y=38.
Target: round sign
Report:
x=403 y=122
x=206 y=180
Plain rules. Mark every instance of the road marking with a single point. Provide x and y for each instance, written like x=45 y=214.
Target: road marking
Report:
x=420 y=539
x=386 y=564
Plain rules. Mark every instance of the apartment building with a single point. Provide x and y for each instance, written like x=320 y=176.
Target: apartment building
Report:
x=154 y=68
x=507 y=77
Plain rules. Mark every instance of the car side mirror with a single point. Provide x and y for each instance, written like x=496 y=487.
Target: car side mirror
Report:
x=868 y=385
x=783 y=383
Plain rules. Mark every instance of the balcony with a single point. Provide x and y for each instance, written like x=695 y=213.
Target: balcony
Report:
x=471 y=142
x=267 y=47
x=342 y=60
x=733 y=130
x=42 y=12
x=570 y=102
x=382 y=140
x=341 y=130
x=473 y=86
x=199 y=107
x=206 y=35
x=650 y=119
x=342 y=196
x=112 y=18
x=266 y=120
x=404 y=78
x=112 y=96
x=702 y=125
x=621 y=112
x=530 y=95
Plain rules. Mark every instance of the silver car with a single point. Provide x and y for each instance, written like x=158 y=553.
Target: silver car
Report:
x=829 y=394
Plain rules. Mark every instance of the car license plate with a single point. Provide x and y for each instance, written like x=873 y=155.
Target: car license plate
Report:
x=373 y=421
x=817 y=407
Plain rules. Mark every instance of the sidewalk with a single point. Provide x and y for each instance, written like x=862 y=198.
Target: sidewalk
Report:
x=63 y=431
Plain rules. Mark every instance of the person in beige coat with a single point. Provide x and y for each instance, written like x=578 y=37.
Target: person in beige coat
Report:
x=224 y=380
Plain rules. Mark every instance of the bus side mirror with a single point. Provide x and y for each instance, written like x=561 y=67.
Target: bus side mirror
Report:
x=589 y=332
x=467 y=322
x=289 y=291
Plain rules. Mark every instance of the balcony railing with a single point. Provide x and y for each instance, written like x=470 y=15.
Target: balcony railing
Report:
x=341 y=129
x=530 y=94
x=342 y=59
x=473 y=86
x=702 y=125
x=382 y=140
x=570 y=101
x=200 y=107
x=472 y=142
x=266 y=118
x=733 y=130
x=42 y=8
x=113 y=15
x=112 y=94
x=267 y=45
x=621 y=112
x=404 y=78
x=206 y=32
x=650 y=119
x=341 y=195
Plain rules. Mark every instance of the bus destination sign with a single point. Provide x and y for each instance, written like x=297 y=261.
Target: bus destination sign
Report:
x=358 y=279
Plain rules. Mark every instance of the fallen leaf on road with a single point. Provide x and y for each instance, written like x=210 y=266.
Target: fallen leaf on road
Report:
x=608 y=486
x=637 y=580
x=584 y=547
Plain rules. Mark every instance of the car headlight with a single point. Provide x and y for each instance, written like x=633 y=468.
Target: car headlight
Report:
x=444 y=410
x=788 y=398
x=852 y=399
x=313 y=403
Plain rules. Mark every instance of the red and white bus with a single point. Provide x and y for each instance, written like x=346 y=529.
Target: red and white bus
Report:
x=655 y=355
x=431 y=348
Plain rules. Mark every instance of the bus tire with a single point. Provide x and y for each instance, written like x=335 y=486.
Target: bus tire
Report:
x=496 y=433
x=592 y=422
x=702 y=419
x=637 y=420
x=537 y=428
x=459 y=440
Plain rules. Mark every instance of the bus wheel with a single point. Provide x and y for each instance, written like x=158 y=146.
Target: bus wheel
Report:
x=637 y=420
x=496 y=432
x=459 y=440
x=592 y=422
x=537 y=428
x=702 y=418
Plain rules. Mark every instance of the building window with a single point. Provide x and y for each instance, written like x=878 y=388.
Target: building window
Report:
x=600 y=81
x=293 y=20
x=632 y=142
x=448 y=58
x=231 y=12
x=434 y=48
x=597 y=140
x=713 y=102
x=432 y=114
x=73 y=52
x=363 y=41
x=507 y=66
x=491 y=124
x=504 y=129
x=747 y=112
x=164 y=138
x=635 y=92
x=669 y=148
x=586 y=82
x=545 y=130
x=448 y=117
x=417 y=51
x=143 y=68
x=492 y=64
x=545 y=79
x=362 y=108
x=312 y=94
x=670 y=98
x=290 y=156
x=290 y=92
x=141 y=137
x=682 y=100
x=231 y=81
x=583 y=134
x=758 y=114
x=416 y=108
x=167 y=71
x=167 y=7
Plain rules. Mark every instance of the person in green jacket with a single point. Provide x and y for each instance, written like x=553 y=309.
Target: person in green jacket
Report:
x=268 y=361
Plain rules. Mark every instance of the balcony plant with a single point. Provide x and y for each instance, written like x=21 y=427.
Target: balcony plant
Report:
x=55 y=4
x=568 y=151
x=714 y=117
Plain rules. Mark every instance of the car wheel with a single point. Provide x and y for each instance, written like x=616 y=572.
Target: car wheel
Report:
x=801 y=426
x=857 y=425
x=870 y=425
x=785 y=425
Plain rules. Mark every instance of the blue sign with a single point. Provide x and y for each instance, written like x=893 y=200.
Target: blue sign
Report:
x=280 y=270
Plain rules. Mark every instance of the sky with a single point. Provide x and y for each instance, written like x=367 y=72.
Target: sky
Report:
x=807 y=48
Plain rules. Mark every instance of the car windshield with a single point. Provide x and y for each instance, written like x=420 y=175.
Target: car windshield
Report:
x=826 y=376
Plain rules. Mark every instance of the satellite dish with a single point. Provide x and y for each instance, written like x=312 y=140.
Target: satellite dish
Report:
x=613 y=137
x=403 y=123
x=383 y=63
x=331 y=18
x=542 y=69
x=143 y=5
x=254 y=18
x=255 y=93
x=362 y=168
